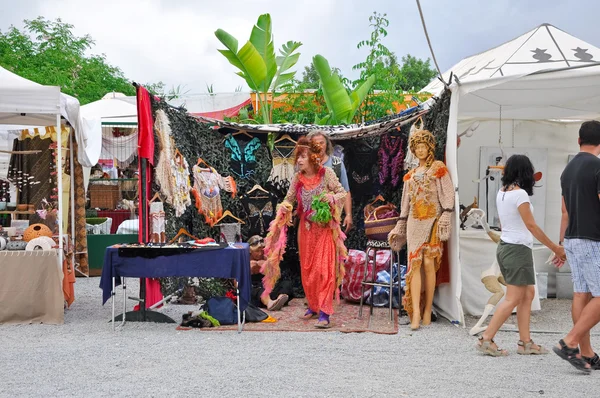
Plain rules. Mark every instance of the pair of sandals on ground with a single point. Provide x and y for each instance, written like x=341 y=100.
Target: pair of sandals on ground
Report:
x=571 y=355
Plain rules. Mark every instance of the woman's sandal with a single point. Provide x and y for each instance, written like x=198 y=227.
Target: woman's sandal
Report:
x=309 y=314
x=486 y=348
x=593 y=361
x=530 y=348
x=323 y=324
x=570 y=355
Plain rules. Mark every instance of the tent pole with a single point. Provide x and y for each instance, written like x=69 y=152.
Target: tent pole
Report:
x=59 y=174
x=452 y=164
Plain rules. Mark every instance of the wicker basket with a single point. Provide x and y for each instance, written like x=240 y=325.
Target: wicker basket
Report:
x=104 y=196
x=377 y=228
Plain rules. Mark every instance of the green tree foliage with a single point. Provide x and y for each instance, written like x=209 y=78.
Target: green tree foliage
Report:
x=48 y=53
x=392 y=78
x=258 y=65
x=414 y=74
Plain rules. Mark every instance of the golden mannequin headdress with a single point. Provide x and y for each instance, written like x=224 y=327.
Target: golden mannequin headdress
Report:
x=423 y=137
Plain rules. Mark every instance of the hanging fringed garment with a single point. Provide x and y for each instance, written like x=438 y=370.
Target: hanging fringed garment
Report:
x=207 y=192
x=162 y=171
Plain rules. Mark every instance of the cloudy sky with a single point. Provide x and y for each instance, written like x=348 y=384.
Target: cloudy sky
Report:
x=173 y=40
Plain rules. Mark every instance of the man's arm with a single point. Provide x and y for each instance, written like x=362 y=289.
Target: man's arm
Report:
x=564 y=221
x=348 y=222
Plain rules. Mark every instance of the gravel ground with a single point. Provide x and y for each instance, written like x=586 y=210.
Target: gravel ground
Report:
x=84 y=357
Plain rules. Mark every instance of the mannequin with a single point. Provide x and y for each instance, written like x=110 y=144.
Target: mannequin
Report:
x=425 y=222
x=491 y=278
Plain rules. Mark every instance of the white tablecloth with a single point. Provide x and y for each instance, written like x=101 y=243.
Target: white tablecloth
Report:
x=477 y=253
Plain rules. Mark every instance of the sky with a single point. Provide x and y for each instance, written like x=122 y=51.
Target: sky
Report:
x=173 y=41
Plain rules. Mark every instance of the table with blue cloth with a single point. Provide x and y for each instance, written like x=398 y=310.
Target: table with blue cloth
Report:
x=232 y=262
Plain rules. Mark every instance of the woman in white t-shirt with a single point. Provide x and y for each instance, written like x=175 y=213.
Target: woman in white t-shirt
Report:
x=515 y=257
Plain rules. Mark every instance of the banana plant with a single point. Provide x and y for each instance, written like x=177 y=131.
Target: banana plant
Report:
x=341 y=105
x=258 y=65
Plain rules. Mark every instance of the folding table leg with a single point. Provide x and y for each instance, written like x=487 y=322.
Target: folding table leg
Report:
x=239 y=316
x=124 y=301
x=112 y=295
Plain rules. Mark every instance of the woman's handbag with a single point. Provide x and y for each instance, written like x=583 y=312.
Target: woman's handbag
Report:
x=380 y=220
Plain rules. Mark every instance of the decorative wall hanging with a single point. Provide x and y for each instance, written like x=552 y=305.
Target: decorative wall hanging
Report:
x=283 y=163
x=391 y=158
x=157 y=221
x=243 y=159
x=163 y=168
x=208 y=184
x=260 y=206
x=180 y=171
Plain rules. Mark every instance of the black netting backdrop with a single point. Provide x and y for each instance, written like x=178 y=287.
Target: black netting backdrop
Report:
x=195 y=139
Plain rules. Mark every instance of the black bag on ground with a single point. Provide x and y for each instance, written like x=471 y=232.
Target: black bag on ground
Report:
x=255 y=314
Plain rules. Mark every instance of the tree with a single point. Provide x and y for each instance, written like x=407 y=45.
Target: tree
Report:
x=414 y=74
x=341 y=105
x=48 y=53
x=310 y=77
x=263 y=71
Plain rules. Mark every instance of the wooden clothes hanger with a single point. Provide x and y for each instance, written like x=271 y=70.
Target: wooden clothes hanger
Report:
x=257 y=187
x=377 y=199
x=181 y=232
x=285 y=137
x=156 y=196
x=178 y=154
x=244 y=132
x=202 y=161
x=228 y=213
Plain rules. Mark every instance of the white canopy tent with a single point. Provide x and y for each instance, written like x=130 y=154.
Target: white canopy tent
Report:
x=26 y=103
x=521 y=87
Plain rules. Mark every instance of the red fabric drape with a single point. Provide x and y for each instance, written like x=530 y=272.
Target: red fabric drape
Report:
x=146 y=151
x=145 y=123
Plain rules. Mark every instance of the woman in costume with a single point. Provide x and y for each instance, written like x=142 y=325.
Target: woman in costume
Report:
x=427 y=205
x=320 y=198
x=515 y=256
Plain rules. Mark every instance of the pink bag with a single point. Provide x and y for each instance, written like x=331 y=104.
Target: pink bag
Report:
x=355 y=266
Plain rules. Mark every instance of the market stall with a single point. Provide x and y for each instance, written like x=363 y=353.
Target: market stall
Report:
x=527 y=96
x=24 y=105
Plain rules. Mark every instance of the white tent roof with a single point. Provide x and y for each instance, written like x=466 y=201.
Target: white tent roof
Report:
x=542 y=48
x=113 y=109
x=26 y=103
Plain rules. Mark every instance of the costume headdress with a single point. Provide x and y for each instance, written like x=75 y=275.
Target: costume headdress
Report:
x=423 y=137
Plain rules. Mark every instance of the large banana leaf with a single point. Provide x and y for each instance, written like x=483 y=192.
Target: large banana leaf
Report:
x=284 y=62
x=248 y=60
x=262 y=39
x=335 y=94
x=360 y=93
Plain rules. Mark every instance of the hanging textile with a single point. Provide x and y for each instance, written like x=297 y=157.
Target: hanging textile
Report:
x=145 y=122
x=162 y=171
x=260 y=211
x=34 y=175
x=391 y=158
x=207 y=192
x=230 y=232
x=180 y=177
x=283 y=171
x=81 y=258
x=4 y=191
x=243 y=159
x=157 y=223
x=360 y=168
x=146 y=152
x=123 y=148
